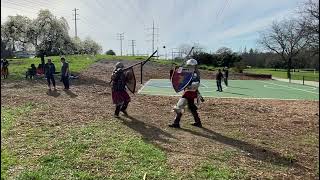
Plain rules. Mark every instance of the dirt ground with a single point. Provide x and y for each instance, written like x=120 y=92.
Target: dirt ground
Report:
x=267 y=138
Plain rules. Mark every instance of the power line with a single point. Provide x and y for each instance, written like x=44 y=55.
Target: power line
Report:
x=179 y=52
x=84 y=20
x=26 y=7
x=75 y=21
x=120 y=37
x=222 y=9
x=104 y=18
x=30 y=11
x=131 y=7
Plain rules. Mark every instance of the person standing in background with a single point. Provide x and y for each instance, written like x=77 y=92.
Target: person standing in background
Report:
x=49 y=70
x=65 y=73
x=219 y=77
x=226 y=75
x=5 y=69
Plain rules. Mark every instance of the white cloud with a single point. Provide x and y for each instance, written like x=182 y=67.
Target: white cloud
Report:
x=209 y=22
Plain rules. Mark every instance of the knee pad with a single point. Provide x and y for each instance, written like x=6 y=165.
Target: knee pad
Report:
x=179 y=108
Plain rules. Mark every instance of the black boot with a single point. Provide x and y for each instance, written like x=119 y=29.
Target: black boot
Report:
x=196 y=119
x=124 y=108
x=116 y=113
x=176 y=123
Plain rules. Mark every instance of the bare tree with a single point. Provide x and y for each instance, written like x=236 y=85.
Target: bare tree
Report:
x=287 y=39
x=184 y=49
x=309 y=17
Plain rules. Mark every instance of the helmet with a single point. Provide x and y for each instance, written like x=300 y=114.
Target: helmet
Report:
x=119 y=65
x=192 y=62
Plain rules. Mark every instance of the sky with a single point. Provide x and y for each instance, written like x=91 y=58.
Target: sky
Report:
x=209 y=23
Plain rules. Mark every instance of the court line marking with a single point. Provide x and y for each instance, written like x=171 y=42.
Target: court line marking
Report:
x=204 y=85
x=290 y=87
x=274 y=87
x=176 y=95
x=173 y=92
x=280 y=88
x=143 y=86
x=158 y=84
x=146 y=93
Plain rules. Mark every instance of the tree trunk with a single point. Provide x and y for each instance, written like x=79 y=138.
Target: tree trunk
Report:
x=42 y=58
x=289 y=68
x=13 y=46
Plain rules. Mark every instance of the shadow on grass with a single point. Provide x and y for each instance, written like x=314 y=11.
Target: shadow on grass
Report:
x=149 y=132
x=253 y=151
x=53 y=93
x=70 y=93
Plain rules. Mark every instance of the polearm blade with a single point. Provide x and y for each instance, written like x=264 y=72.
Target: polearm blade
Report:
x=185 y=59
x=189 y=52
x=142 y=62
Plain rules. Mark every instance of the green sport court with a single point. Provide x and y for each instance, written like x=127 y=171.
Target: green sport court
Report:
x=245 y=89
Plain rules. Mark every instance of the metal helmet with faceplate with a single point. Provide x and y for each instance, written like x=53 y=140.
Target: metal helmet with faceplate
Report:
x=192 y=62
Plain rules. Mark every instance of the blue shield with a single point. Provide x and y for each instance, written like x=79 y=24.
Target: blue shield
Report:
x=181 y=78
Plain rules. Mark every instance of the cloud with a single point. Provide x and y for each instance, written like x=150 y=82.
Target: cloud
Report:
x=209 y=22
x=251 y=27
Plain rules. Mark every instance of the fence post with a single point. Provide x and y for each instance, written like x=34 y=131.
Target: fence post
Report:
x=302 y=80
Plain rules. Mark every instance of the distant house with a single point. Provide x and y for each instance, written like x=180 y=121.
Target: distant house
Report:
x=24 y=54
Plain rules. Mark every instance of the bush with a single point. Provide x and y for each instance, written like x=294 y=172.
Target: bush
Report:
x=110 y=52
x=239 y=67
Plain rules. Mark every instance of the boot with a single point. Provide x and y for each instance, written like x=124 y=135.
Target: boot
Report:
x=124 y=108
x=116 y=113
x=176 y=123
x=197 y=124
x=196 y=119
x=201 y=99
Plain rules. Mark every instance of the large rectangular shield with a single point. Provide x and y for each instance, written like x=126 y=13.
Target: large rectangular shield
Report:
x=130 y=79
x=181 y=78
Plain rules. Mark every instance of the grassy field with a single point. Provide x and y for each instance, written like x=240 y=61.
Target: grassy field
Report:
x=70 y=155
x=18 y=67
x=33 y=147
x=46 y=136
x=77 y=63
x=281 y=73
x=93 y=151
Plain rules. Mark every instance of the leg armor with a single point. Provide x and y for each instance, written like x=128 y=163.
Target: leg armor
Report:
x=179 y=108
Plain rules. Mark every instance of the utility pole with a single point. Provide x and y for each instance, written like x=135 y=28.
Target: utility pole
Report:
x=120 y=37
x=197 y=47
x=153 y=34
x=179 y=53
x=172 y=55
x=133 y=45
x=157 y=52
x=75 y=21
